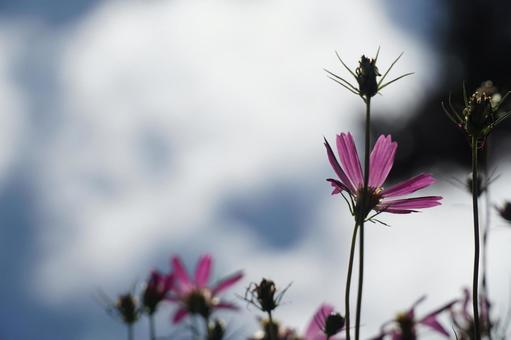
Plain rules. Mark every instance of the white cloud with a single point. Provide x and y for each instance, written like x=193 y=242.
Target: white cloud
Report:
x=167 y=108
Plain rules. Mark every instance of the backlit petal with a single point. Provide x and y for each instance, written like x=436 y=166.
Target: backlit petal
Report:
x=202 y=271
x=381 y=161
x=409 y=186
x=337 y=168
x=349 y=159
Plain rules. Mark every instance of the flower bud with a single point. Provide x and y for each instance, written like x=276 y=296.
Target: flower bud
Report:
x=265 y=292
x=479 y=115
x=216 y=330
x=366 y=74
x=127 y=308
x=505 y=211
x=334 y=323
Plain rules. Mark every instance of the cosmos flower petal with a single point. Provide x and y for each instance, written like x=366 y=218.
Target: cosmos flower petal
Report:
x=433 y=323
x=314 y=327
x=227 y=282
x=381 y=161
x=337 y=168
x=180 y=273
x=409 y=186
x=349 y=159
x=202 y=271
x=410 y=203
x=179 y=315
x=337 y=185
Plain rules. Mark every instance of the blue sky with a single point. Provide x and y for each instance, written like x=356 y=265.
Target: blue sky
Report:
x=134 y=130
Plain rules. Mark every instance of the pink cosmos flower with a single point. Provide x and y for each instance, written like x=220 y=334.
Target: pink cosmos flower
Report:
x=195 y=296
x=351 y=180
x=405 y=323
x=324 y=322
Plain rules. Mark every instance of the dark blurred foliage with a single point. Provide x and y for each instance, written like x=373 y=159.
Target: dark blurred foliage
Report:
x=473 y=41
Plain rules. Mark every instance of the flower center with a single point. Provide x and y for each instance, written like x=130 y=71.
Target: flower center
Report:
x=199 y=301
x=365 y=202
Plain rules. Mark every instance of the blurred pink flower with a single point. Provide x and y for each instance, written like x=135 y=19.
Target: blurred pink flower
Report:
x=324 y=322
x=405 y=323
x=195 y=296
x=155 y=291
x=351 y=180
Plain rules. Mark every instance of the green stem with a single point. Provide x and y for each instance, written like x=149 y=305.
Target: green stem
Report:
x=130 y=331
x=152 y=332
x=271 y=329
x=361 y=240
x=485 y=240
x=475 y=283
x=348 y=281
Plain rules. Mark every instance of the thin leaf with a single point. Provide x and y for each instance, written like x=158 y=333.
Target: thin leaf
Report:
x=449 y=115
x=465 y=99
x=342 y=79
x=456 y=114
x=390 y=82
x=377 y=54
x=347 y=88
x=343 y=64
x=502 y=101
x=390 y=68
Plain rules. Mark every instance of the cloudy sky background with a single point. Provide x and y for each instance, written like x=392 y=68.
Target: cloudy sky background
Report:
x=133 y=130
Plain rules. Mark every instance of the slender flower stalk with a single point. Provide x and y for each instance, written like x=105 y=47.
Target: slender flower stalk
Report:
x=484 y=286
x=361 y=239
x=475 y=282
x=348 y=280
x=152 y=330
x=479 y=117
x=368 y=86
x=130 y=332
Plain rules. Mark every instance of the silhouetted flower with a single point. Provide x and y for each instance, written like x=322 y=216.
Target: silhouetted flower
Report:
x=126 y=308
x=194 y=296
x=155 y=291
x=324 y=324
x=365 y=75
x=481 y=112
x=463 y=321
x=264 y=295
x=351 y=181
x=403 y=327
x=505 y=211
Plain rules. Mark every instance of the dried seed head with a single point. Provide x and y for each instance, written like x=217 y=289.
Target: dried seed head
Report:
x=366 y=74
x=126 y=306
x=264 y=295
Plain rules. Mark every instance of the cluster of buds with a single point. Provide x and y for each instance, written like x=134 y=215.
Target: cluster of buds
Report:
x=366 y=76
x=481 y=113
